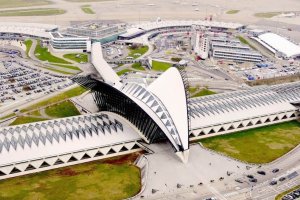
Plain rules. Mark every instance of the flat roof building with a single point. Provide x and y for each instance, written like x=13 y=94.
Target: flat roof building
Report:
x=279 y=45
x=60 y=42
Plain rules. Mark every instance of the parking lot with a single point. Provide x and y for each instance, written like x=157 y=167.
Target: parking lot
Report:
x=19 y=80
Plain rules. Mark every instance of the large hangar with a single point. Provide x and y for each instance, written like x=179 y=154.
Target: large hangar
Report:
x=279 y=45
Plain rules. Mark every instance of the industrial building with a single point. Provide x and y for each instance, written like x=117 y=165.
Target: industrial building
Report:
x=233 y=50
x=100 y=31
x=280 y=46
x=60 y=42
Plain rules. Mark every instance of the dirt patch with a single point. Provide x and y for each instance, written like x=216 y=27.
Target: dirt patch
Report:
x=129 y=158
x=67 y=172
x=275 y=145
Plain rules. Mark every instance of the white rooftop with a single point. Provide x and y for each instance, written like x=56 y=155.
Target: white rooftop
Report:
x=153 y=25
x=56 y=137
x=280 y=44
x=34 y=29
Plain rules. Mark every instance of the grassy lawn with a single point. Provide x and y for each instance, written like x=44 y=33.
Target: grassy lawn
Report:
x=245 y=41
x=140 y=50
x=193 y=89
x=279 y=196
x=231 y=12
x=22 y=3
x=8 y=116
x=110 y=179
x=203 y=92
x=64 y=109
x=87 y=9
x=160 y=66
x=25 y=120
x=259 y=145
x=32 y=12
x=267 y=14
x=59 y=71
x=28 y=44
x=66 y=95
x=68 y=67
x=138 y=66
x=43 y=54
x=77 y=57
x=123 y=71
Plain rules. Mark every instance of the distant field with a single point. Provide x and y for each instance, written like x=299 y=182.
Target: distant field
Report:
x=267 y=14
x=77 y=57
x=231 y=12
x=138 y=66
x=22 y=3
x=160 y=66
x=64 y=109
x=110 y=179
x=43 y=54
x=259 y=145
x=140 y=50
x=87 y=9
x=87 y=0
x=66 y=95
x=68 y=67
x=28 y=44
x=25 y=120
x=123 y=71
x=32 y=12
x=203 y=92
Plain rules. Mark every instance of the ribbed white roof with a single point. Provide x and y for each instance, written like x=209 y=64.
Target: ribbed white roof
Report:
x=56 y=137
x=280 y=44
x=235 y=106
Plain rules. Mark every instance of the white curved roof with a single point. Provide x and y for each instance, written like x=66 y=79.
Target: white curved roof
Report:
x=169 y=88
x=154 y=25
x=34 y=29
x=280 y=44
x=107 y=73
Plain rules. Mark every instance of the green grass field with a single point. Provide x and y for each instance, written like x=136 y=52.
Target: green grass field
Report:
x=7 y=116
x=22 y=3
x=28 y=44
x=160 y=66
x=231 y=12
x=25 y=120
x=68 y=67
x=279 y=196
x=32 y=12
x=113 y=179
x=141 y=50
x=138 y=66
x=59 y=71
x=259 y=145
x=66 y=95
x=267 y=14
x=43 y=54
x=87 y=9
x=203 y=92
x=73 y=56
x=64 y=109
x=123 y=71
x=245 y=41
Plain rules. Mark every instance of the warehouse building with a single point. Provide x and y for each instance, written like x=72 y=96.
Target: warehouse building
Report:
x=280 y=46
